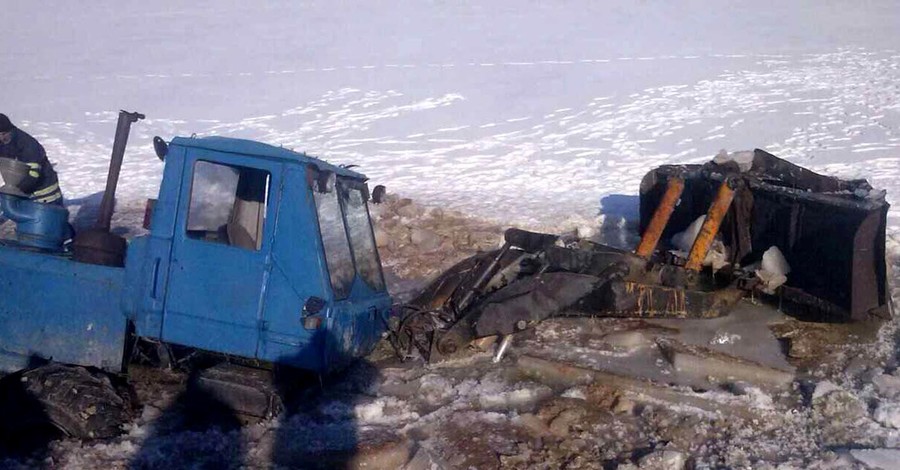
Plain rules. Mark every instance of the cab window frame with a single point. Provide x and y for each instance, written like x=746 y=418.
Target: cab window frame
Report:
x=259 y=180
x=344 y=187
x=334 y=266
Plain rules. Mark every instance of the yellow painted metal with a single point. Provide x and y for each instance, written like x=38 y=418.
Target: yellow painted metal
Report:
x=661 y=215
x=710 y=228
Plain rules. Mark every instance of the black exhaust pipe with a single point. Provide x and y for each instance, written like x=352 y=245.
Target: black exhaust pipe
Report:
x=98 y=245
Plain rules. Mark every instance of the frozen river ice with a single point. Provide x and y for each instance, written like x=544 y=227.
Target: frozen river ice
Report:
x=525 y=113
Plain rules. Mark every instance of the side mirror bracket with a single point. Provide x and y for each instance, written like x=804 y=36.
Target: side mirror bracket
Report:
x=160 y=147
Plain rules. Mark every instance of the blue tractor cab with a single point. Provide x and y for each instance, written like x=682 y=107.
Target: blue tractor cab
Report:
x=259 y=252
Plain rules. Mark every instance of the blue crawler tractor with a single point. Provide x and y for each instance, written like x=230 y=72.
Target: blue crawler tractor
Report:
x=254 y=252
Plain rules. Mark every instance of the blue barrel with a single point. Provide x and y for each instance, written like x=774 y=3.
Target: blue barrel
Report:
x=43 y=226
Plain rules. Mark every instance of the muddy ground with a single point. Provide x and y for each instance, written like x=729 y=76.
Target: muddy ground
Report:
x=756 y=389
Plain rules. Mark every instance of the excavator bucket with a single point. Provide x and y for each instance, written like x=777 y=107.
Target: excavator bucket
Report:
x=831 y=231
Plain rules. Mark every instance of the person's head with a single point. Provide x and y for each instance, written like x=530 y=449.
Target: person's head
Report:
x=6 y=129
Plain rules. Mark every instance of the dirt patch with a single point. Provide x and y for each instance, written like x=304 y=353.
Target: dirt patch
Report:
x=416 y=242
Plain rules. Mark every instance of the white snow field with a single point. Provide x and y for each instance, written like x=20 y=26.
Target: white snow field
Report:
x=538 y=114
x=529 y=113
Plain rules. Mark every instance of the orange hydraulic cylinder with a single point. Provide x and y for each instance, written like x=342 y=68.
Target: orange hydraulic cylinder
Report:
x=710 y=227
x=660 y=218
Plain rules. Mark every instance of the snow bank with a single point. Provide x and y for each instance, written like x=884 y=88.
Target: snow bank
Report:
x=743 y=159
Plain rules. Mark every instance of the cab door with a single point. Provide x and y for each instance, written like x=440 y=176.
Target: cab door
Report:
x=219 y=263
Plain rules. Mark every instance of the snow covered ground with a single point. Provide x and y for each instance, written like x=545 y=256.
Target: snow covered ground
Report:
x=505 y=110
x=526 y=113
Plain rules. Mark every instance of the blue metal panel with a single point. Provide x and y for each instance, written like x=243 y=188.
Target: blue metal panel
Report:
x=257 y=149
x=148 y=258
x=146 y=275
x=351 y=326
x=165 y=210
x=356 y=324
x=214 y=292
x=55 y=308
x=283 y=339
x=298 y=273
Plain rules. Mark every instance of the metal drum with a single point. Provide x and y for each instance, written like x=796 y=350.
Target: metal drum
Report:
x=43 y=226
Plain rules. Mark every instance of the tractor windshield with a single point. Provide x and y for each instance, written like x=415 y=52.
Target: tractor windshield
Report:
x=347 y=235
x=362 y=239
x=334 y=240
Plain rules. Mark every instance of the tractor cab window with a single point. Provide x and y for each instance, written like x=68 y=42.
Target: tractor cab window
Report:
x=334 y=235
x=362 y=239
x=228 y=204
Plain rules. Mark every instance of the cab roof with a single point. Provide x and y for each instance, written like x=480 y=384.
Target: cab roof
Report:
x=258 y=149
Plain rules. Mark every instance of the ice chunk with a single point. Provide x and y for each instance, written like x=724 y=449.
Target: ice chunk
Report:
x=522 y=397
x=824 y=388
x=773 y=271
x=888 y=414
x=717 y=256
x=373 y=411
x=533 y=425
x=870 y=194
x=630 y=340
x=574 y=393
x=700 y=366
x=389 y=454
x=773 y=261
x=425 y=460
x=887 y=385
x=663 y=460
x=562 y=423
x=435 y=389
x=771 y=281
x=744 y=159
x=838 y=406
x=724 y=337
x=876 y=195
x=150 y=413
x=685 y=240
x=884 y=459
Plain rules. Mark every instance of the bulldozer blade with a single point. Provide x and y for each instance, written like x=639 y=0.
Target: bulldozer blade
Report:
x=831 y=231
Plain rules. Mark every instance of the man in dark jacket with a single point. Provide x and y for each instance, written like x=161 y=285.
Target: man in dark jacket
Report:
x=16 y=144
